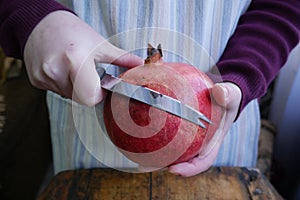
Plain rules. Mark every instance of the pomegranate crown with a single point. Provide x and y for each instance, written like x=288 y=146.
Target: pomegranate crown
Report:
x=154 y=55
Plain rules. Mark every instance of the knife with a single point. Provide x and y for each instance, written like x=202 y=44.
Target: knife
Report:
x=152 y=98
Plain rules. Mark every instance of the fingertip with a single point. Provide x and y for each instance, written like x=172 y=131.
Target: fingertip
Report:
x=87 y=85
x=182 y=169
x=220 y=94
x=108 y=53
x=144 y=169
x=89 y=97
x=175 y=173
x=96 y=98
x=174 y=170
x=128 y=60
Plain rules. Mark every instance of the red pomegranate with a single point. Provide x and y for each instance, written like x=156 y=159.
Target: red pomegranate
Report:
x=152 y=137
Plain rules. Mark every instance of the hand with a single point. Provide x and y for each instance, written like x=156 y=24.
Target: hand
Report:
x=229 y=96
x=60 y=55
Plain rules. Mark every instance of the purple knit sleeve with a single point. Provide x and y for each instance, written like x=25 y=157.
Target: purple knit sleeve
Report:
x=266 y=34
x=17 y=20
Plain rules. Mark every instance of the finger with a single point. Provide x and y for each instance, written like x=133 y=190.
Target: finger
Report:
x=56 y=78
x=45 y=83
x=108 y=53
x=143 y=169
x=226 y=94
x=86 y=86
x=220 y=94
x=196 y=165
x=86 y=82
x=128 y=60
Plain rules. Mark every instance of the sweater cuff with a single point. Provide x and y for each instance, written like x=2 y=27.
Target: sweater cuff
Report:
x=21 y=19
x=260 y=46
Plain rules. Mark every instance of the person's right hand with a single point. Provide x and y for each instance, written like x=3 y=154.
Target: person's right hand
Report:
x=60 y=56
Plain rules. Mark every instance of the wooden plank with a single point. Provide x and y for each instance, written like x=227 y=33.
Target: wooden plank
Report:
x=216 y=183
x=213 y=184
x=121 y=185
x=96 y=185
x=257 y=185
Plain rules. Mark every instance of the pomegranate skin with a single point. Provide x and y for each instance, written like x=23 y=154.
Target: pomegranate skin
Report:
x=154 y=138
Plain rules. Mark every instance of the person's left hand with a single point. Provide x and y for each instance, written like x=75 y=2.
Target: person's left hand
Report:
x=227 y=95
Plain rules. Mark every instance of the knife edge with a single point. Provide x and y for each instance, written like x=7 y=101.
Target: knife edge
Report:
x=153 y=98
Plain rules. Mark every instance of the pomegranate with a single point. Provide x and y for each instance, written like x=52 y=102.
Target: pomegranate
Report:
x=152 y=137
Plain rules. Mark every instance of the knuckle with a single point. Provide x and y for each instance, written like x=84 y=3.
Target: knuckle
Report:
x=49 y=70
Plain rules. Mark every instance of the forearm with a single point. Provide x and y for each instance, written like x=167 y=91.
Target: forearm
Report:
x=260 y=46
x=17 y=20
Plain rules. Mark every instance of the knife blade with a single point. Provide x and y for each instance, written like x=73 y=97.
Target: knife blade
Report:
x=152 y=98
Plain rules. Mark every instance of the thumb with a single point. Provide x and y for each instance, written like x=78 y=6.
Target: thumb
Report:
x=86 y=82
x=127 y=60
x=108 y=53
x=227 y=94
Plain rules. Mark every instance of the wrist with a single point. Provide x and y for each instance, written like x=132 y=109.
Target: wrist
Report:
x=22 y=17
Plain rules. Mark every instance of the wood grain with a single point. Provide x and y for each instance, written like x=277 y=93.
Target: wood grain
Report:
x=216 y=183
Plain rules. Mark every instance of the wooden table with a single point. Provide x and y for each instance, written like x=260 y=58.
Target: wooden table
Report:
x=216 y=183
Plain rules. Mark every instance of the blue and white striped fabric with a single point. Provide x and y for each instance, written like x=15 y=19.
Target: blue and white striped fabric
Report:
x=194 y=31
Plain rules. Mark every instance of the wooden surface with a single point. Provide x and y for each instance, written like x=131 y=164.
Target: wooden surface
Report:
x=216 y=183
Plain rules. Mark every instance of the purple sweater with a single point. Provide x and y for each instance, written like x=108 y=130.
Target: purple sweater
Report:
x=260 y=46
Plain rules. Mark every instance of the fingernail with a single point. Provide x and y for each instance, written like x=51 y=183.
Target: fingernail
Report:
x=225 y=92
x=175 y=173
